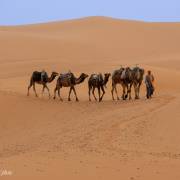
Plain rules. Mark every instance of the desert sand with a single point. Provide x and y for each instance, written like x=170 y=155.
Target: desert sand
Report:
x=128 y=140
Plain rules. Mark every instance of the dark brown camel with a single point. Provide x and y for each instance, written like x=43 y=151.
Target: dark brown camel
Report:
x=128 y=80
x=97 y=81
x=37 y=78
x=68 y=80
x=118 y=79
x=138 y=74
x=128 y=77
x=133 y=77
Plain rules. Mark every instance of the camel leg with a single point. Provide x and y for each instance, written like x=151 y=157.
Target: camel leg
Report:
x=116 y=93
x=99 y=93
x=69 y=98
x=34 y=88
x=75 y=93
x=30 y=85
x=136 y=91
x=139 y=90
x=89 y=93
x=57 y=89
x=94 y=94
x=124 y=92
x=55 y=92
x=102 y=88
x=129 y=91
x=42 y=90
x=29 y=89
x=112 y=92
x=47 y=90
x=59 y=95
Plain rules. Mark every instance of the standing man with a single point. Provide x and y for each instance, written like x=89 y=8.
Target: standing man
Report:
x=149 y=79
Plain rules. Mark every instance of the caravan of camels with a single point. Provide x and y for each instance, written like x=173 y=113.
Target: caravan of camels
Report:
x=126 y=77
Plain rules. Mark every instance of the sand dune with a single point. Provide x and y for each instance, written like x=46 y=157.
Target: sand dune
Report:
x=42 y=138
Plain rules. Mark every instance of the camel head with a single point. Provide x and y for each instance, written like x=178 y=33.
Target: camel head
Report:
x=107 y=75
x=55 y=73
x=84 y=75
x=53 y=76
x=81 y=78
x=106 y=78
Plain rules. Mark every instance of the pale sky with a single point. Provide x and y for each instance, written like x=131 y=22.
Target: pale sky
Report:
x=14 y=12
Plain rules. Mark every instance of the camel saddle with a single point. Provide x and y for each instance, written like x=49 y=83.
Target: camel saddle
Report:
x=97 y=77
x=66 y=75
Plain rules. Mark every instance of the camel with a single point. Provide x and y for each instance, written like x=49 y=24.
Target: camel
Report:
x=97 y=81
x=117 y=79
x=127 y=77
x=128 y=81
x=138 y=74
x=37 y=78
x=68 y=80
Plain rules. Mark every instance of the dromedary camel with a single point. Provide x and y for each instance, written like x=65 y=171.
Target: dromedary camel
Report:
x=37 y=78
x=117 y=79
x=128 y=80
x=127 y=77
x=97 y=81
x=68 y=80
x=137 y=80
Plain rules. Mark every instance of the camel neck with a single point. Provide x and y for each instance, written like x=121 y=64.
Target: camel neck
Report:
x=79 y=80
x=105 y=80
x=51 y=78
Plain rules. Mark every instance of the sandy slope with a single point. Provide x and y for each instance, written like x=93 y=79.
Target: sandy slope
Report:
x=43 y=138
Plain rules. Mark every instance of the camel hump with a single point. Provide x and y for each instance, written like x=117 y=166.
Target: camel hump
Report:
x=98 y=76
x=44 y=73
x=123 y=74
x=44 y=76
x=94 y=76
x=67 y=75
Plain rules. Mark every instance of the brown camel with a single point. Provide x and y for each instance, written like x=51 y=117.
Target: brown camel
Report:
x=117 y=78
x=68 y=80
x=128 y=80
x=39 y=79
x=138 y=74
x=97 y=81
x=128 y=77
